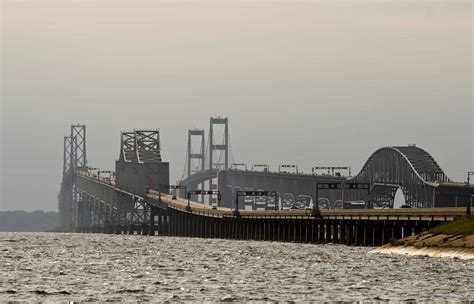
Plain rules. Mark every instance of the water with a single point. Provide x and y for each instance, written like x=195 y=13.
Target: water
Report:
x=93 y=267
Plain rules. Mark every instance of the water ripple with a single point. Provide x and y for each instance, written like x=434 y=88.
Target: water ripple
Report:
x=92 y=267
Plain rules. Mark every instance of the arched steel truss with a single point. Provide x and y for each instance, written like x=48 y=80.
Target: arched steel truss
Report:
x=409 y=168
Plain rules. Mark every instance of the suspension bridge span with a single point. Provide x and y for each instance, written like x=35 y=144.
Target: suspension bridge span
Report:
x=135 y=198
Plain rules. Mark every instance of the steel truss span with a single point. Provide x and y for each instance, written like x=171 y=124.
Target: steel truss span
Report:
x=409 y=168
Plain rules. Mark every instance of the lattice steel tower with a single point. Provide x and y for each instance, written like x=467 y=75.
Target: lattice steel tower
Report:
x=75 y=158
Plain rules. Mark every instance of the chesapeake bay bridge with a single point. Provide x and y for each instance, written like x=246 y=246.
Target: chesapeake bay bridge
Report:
x=217 y=199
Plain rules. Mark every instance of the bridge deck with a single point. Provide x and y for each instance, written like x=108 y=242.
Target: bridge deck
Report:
x=375 y=214
x=363 y=214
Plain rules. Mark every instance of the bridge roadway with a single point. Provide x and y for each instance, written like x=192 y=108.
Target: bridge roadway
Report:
x=412 y=214
x=163 y=215
x=351 y=227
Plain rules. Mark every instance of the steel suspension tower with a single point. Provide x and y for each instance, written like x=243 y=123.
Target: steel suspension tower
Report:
x=218 y=147
x=75 y=159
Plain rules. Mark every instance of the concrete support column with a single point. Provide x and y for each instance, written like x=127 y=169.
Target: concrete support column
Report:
x=291 y=230
x=387 y=227
x=248 y=229
x=410 y=228
x=145 y=229
x=166 y=222
x=321 y=234
x=359 y=233
x=398 y=229
x=274 y=230
x=336 y=234
x=298 y=230
x=307 y=231
x=350 y=232
x=258 y=226
x=343 y=232
x=177 y=222
x=378 y=233
x=171 y=222
x=151 y=231
x=160 y=222
x=262 y=229
x=282 y=230
x=234 y=229
x=329 y=227
x=370 y=233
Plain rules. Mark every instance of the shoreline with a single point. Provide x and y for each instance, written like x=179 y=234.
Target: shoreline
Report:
x=435 y=252
x=432 y=245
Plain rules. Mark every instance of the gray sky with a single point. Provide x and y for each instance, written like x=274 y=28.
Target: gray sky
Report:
x=308 y=83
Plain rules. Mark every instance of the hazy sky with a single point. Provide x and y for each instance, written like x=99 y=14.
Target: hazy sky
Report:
x=309 y=83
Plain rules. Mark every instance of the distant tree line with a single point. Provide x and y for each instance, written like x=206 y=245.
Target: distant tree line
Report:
x=22 y=221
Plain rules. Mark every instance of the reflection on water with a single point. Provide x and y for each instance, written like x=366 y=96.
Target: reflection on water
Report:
x=94 y=267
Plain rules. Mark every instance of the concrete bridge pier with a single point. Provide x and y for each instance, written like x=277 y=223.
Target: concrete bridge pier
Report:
x=171 y=222
x=144 y=229
x=166 y=222
x=398 y=229
x=321 y=232
x=349 y=233
x=153 y=213
x=283 y=230
x=105 y=218
x=160 y=226
x=334 y=231
x=323 y=226
x=253 y=229
x=311 y=232
x=189 y=225
x=258 y=227
x=177 y=222
x=117 y=229
x=342 y=232
x=109 y=228
x=275 y=230
x=377 y=236
x=131 y=229
x=328 y=231
x=163 y=222
x=386 y=231
x=296 y=231
x=99 y=217
x=359 y=233
x=408 y=228
x=369 y=233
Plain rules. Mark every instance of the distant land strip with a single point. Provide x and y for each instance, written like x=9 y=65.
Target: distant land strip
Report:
x=23 y=221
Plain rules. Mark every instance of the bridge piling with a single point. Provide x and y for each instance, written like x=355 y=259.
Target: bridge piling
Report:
x=397 y=229
x=377 y=235
x=342 y=231
x=254 y=227
x=321 y=231
x=349 y=233
x=153 y=212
